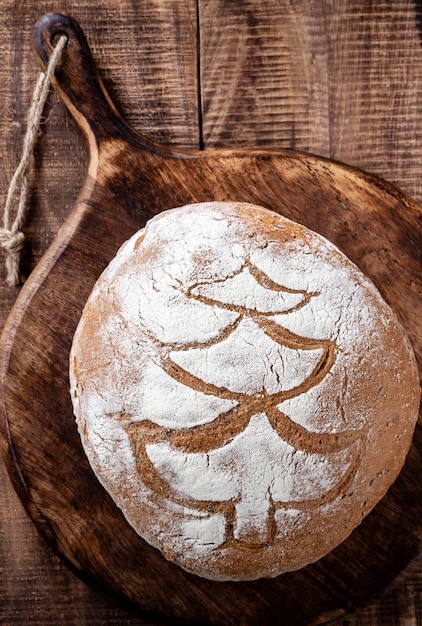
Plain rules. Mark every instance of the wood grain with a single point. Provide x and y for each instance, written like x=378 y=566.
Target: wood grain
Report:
x=394 y=153
x=340 y=79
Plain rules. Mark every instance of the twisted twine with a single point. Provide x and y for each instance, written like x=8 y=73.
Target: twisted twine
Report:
x=11 y=237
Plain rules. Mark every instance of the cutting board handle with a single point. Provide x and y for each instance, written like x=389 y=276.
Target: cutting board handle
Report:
x=76 y=78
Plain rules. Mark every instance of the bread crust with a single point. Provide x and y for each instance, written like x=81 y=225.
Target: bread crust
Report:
x=241 y=390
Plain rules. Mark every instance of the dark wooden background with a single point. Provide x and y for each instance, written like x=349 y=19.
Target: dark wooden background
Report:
x=340 y=78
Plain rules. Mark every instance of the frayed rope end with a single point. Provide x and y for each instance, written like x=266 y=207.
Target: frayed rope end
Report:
x=12 y=244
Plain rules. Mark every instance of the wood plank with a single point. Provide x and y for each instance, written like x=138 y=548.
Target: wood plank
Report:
x=340 y=79
x=147 y=53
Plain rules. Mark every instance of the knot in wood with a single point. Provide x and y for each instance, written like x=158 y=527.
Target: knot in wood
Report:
x=11 y=242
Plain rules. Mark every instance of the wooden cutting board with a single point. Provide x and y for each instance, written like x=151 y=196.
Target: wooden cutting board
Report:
x=129 y=180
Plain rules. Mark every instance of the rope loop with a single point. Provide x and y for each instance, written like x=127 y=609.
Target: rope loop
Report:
x=11 y=236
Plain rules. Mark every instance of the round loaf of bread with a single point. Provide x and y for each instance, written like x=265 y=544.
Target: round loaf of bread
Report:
x=241 y=389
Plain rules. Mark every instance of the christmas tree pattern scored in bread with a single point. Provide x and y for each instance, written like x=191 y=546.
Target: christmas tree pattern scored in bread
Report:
x=241 y=390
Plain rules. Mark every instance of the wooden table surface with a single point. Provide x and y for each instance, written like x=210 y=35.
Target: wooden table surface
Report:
x=341 y=79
